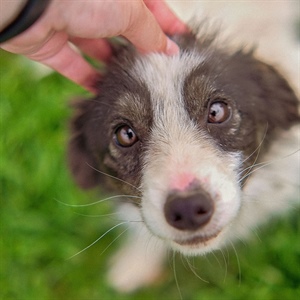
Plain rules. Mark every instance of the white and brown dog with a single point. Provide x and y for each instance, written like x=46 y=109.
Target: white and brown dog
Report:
x=204 y=140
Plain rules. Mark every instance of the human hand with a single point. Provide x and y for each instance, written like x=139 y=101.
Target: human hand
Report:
x=87 y=24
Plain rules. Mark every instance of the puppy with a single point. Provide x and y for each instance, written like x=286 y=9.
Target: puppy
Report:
x=201 y=146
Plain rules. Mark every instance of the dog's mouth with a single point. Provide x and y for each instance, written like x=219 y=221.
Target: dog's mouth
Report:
x=197 y=240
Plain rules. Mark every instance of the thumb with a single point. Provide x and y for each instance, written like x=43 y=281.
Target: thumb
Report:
x=146 y=35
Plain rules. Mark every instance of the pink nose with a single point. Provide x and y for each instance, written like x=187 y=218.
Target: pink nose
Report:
x=182 y=181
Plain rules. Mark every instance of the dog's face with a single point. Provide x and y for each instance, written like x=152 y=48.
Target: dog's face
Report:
x=180 y=132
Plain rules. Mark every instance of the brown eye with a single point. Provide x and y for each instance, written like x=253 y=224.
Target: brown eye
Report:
x=219 y=112
x=125 y=136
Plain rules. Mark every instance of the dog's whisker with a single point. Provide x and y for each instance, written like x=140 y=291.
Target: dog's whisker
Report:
x=184 y=261
x=175 y=276
x=193 y=269
x=258 y=148
x=149 y=248
x=256 y=232
x=256 y=158
x=114 y=177
x=265 y=164
x=217 y=259
x=96 y=216
x=98 y=239
x=253 y=166
x=238 y=263
x=288 y=204
x=115 y=239
x=99 y=201
x=225 y=263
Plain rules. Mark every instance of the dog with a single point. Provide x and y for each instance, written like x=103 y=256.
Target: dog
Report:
x=200 y=146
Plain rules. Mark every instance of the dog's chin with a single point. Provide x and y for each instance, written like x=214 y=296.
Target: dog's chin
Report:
x=198 y=244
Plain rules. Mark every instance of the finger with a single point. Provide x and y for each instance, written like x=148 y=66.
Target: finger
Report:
x=145 y=33
x=72 y=65
x=99 y=49
x=167 y=20
x=58 y=55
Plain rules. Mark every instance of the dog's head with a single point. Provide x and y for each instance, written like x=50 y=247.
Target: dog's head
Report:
x=178 y=132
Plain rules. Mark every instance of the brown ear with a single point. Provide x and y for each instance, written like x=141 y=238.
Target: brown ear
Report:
x=264 y=94
x=279 y=97
x=81 y=161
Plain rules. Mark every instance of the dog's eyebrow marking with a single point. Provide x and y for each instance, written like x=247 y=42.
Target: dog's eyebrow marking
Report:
x=164 y=78
x=197 y=90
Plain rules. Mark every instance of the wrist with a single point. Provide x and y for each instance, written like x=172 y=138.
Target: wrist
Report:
x=9 y=12
x=21 y=15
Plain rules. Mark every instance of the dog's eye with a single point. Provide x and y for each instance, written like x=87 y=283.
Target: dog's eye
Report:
x=125 y=136
x=219 y=112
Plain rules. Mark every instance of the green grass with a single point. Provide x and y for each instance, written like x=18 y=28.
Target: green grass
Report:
x=39 y=234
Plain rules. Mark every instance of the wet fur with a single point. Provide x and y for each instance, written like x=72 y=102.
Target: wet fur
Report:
x=166 y=101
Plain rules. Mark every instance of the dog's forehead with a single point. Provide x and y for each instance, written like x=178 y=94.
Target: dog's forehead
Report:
x=165 y=75
x=165 y=79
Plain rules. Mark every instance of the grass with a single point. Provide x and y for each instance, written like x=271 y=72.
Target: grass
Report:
x=39 y=234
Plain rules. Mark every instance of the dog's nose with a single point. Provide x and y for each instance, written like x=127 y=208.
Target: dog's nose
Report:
x=188 y=212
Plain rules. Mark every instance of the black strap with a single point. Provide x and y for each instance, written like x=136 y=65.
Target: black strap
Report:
x=29 y=14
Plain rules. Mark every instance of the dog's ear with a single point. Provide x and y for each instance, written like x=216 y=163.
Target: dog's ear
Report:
x=263 y=94
x=278 y=97
x=82 y=163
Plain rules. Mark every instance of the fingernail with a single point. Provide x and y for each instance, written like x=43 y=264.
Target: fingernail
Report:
x=172 y=48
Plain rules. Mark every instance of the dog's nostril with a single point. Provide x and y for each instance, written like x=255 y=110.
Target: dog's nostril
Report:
x=202 y=211
x=177 y=217
x=188 y=212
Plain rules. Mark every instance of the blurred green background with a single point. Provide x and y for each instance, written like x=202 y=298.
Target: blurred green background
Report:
x=39 y=233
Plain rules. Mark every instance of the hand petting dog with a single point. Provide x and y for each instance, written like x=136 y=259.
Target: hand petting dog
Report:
x=88 y=24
